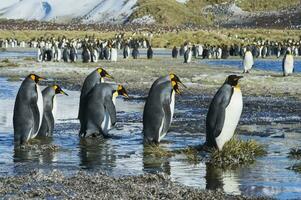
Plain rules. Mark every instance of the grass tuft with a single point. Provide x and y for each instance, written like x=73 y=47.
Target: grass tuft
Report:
x=157 y=151
x=295 y=153
x=237 y=152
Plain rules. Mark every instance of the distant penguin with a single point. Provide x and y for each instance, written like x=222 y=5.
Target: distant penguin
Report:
x=86 y=55
x=135 y=53
x=95 y=77
x=150 y=53
x=114 y=55
x=28 y=110
x=65 y=55
x=188 y=56
x=288 y=64
x=174 y=52
x=100 y=115
x=94 y=55
x=224 y=113
x=49 y=116
x=159 y=108
x=182 y=51
x=248 y=61
x=73 y=54
x=40 y=55
x=126 y=51
x=106 y=53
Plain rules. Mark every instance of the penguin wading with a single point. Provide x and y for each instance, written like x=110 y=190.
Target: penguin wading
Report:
x=95 y=77
x=101 y=112
x=28 y=110
x=50 y=106
x=159 y=108
x=224 y=113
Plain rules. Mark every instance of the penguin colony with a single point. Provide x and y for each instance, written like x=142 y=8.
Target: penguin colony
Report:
x=35 y=111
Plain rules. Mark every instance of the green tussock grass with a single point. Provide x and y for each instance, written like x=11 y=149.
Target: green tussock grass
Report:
x=263 y=5
x=295 y=153
x=191 y=153
x=237 y=152
x=6 y=60
x=169 y=12
x=29 y=59
x=7 y=63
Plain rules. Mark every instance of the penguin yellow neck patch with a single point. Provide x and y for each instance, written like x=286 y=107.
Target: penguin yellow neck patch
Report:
x=99 y=70
x=115 y=94
x=237 y=87
x=33 y=77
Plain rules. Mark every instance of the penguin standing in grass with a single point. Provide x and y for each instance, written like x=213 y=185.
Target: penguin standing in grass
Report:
x=28 y=110
x=101 y=112
x=49 y=101
x=95 y=77
x=288 y=64
x=150 y=53
x=224 y=113
x=159 y=108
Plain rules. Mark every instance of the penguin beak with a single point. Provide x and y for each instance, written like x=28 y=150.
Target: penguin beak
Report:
x=62 y=92
x=109 y=76
x=42 y=78
x=125 y=94
x=239 y=77
x=182 y=84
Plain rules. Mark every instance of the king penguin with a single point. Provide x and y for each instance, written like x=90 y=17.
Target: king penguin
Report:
x=101 y=112
x=95 y=77
x=159 y=108
x=49 y=100
x=224 y=113
x=288 y=64
x=28 y=110
x=248 y=61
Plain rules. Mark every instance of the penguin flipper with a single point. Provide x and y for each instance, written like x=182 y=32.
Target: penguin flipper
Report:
x=110 y=107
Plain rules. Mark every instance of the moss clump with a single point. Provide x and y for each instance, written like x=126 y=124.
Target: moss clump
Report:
x=296 y=167
x=295 y=153
x=29 y=59
x=192 y=153
x=237 y=152
x=5 y=60
x=156 y=151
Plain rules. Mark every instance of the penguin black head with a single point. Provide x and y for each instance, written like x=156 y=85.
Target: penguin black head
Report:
x=175 y=78
x=35 y=78
x=233 y=80
x=58 y=90
x=104 y=73
x=121 y=91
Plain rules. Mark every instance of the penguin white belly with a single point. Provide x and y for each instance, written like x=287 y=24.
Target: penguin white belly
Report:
x=54 y=108
x=41 y=111
x=248 y=61
x=289 y=64
x=232 y=116
x=172 y=105
x=161 y=135
x=106 y=123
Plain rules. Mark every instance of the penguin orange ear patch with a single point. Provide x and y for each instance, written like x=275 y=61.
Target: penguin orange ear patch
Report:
x=119 y=87
x=55 y=87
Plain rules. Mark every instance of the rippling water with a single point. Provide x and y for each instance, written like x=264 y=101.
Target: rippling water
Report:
x=123 y=154
x=263 y=64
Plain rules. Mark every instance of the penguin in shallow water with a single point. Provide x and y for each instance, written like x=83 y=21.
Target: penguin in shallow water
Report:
x=100 y=115
x=95 y=77
x=159 y=108
x=174 y=52
x=224 y=113
x=150 y=53
x=288 y=64
x=49 y=101
x=28 y=110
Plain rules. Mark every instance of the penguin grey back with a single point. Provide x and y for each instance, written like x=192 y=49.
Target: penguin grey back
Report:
x=157 y=111
x=26 y=112
x=99 y=101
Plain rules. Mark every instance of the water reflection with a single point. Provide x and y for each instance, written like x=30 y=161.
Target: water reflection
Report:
x=153 y=163
x=96 y=153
